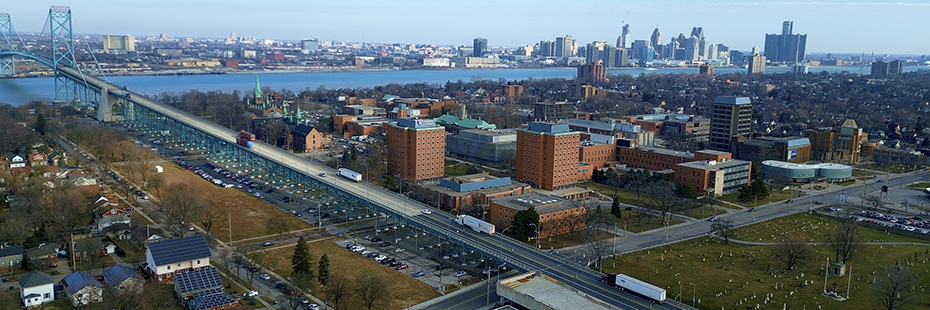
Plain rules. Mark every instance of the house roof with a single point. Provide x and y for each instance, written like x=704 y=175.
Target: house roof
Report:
x=35 y=278
x=119 y=274
x=178 y=250
x=197 y=280
x=211 y=301
x=11 y=250
x=78 y=280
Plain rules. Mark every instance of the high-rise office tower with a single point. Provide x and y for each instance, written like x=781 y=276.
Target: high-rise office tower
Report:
x=692 y=49
x=623 y=57
x=125 y=43
x=626 y=31
x=648 y=55
x=620 y=42
x=886 y=68
x=480 y=47
x=549 y=154
x=637 y=48
x=731 y=118
x=564 y=47
x=416 y=149
x=609 y=58
x=785 y=47
x=546 y=48
x=697 y=32
x=656 y=39
x=756 y=64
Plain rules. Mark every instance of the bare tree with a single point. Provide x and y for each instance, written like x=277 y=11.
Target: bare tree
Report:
x=873 y=201
x=124 y=298
x=597 y=236
x=226 y=257
x=182 y=204
x=894 y=287
x=302 y=285
x=277 y=225
x=207 y=217
x=845 y=239
x=139 y=161
x=73 y=207
x=371 y=290
x=257 y=259
x=157 y=296
x=722 y=228
x=337 y=289
x=792 y=252
x=664 y=200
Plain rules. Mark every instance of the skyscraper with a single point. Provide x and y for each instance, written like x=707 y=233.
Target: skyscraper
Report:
x=564 y=46
x=593 y=72
x=785 y=47
x=626 y=31
x=549 y=154
x=480 y=47
x=637 y=48
x=546 y=48
x=886 y=68
x=731 y=118
x=656 y=39
x=756 y=64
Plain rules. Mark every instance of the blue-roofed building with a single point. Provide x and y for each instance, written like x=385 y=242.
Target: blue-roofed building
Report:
x=36 y=288
x=202 y=289
x=165 y=258
x=82 y=288
x=11 y=257
x=122 y=278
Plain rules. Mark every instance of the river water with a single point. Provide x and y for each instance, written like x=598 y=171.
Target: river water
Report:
x=24 y=90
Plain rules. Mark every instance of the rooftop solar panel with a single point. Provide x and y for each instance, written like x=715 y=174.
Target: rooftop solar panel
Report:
x=178 y=250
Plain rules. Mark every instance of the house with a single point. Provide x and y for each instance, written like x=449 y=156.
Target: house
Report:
x=111 y=214
x=82 y=288
x=16 y=161
x=142 y=235
x=122 y=278
x=55 y=158
x=38 y=159
x=42 y=252
x=109 y=248
x=36 y=288
x=202 y=289
x=165 y=258
x=11 y=256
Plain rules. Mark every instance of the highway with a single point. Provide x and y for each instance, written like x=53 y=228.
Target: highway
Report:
x=514 y=253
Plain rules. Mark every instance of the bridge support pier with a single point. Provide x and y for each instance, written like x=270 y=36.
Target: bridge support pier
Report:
x=104 y=108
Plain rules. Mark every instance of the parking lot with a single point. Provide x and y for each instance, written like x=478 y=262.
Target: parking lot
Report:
x=415 y=263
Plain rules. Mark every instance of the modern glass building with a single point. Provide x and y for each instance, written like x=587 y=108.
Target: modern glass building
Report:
x=801 y=173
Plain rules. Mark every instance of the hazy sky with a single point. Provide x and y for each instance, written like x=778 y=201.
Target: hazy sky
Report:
x=854 y=26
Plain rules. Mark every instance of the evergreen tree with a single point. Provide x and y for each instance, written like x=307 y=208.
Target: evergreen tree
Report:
x=301 y=261
x=41 y=124
x=521 y=223
x=615 y=207
x=323 y=274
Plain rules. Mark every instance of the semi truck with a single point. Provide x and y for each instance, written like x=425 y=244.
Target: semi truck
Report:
x=245 y=138
x=475 y=224
x=351 y=175
x=639 y=287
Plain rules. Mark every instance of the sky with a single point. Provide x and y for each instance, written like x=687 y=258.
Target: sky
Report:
x=848 y=26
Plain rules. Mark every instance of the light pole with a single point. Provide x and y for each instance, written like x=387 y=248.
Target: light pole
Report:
x=537 y=234
x=693 y=294
x=488 y=292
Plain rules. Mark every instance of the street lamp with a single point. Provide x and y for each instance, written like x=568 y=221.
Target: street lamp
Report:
x=693 y=294
x=537 y=234
x=488 y=293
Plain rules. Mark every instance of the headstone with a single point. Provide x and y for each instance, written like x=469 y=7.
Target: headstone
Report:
x=837 y=270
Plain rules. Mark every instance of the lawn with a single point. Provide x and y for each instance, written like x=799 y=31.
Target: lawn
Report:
x=814 y=227
x=737 y=276
x=919 y=186
x=454 y=168
x=639 y=222
x=625 y=196
x=776 y=195
x=251 y=214
x=403 y=288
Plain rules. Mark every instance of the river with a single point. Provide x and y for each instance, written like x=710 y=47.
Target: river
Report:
x=24 y=90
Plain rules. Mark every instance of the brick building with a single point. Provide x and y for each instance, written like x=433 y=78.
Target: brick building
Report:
x=556 y=215
x=547 y=156
x=416 y=149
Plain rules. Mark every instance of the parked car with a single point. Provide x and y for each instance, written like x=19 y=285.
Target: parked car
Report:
x=419 y=274
x=384 y=244
x=250 y=294
x=267 y=243
x=401 y=267
x=265 y=277
x=460 y=273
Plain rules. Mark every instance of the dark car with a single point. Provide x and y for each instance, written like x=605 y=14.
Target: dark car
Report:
x=324 y=215
x=441 y=267
x=280 y=285
x=384 y=244
x=376 y=239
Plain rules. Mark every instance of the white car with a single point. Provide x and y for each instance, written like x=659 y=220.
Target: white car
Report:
x=426 y=211
x=250 y=294
x=265 y=277
x=313 y=307
x=460 y=273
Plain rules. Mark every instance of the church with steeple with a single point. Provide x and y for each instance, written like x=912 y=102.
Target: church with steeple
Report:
x=271 y=113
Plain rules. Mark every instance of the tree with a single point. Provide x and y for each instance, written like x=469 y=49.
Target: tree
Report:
x=845 y=239
x=337 y=289
x=156 y=296
x=323 y=273
x=371 y=290
x=615 y=206
x=722 y=228
x=277 y=225
x=41 y=124
x=664 y=200
x=302 y=285
x=182 y=204
x=894 y=287
x=597 y=236
x=301 y=261
x=521 y=223
x=792 y=252
x=124 y=297
x=208 y=217
x=257 y=259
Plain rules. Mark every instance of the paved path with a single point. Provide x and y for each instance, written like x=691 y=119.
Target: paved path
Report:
x=737 y=241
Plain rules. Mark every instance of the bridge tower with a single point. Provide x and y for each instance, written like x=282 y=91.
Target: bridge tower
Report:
x=59 y=18
x=7 y=65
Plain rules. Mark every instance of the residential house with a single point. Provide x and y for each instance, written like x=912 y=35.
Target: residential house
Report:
x=202 y=289
x=55 y=158
x=142 y=235
x=111 y=214
x=36 y=288
x=82 y=288
x=123 y=278
x=38 y=159
x=16 y=161
x=165 y=258
x=11 y=257
x=43 y=252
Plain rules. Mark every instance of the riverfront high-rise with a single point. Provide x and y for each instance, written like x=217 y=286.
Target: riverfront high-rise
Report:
x=785 y=47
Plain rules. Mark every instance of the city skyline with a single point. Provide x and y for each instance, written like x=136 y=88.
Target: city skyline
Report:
x=739 y=25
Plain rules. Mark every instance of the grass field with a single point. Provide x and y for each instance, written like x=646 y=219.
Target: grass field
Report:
x=919 y=186
x=814 y=227
x=403 y=288
x=776 y=195
x=639 y=222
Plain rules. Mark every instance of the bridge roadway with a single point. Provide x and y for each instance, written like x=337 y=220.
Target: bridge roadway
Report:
x=511 y=251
